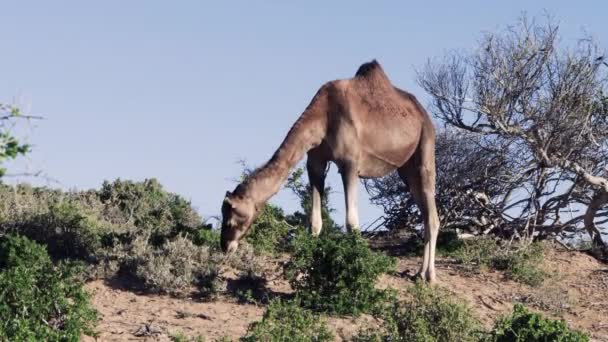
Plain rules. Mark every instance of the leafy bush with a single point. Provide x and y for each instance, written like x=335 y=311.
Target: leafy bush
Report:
x=337 y=272
x=174 y=267
x=180 y=337
x=177 y=266
x=38 y=300
x=431 y=314
x=128 y=228
x=447 y=243
x=101 y=226
x=526 y=326
x=522 y=263
x=10 y=146
x=148 y=207
x=117 y=213
x=67 y=230
x=287 y=321
x=476 y=253
x=302 y=189
x=206 y=236
x=269 y=233
x=65 y=223
x=20 y=202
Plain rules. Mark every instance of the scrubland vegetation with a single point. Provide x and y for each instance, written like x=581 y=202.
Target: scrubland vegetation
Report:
x=138 y=230
x=52 y=242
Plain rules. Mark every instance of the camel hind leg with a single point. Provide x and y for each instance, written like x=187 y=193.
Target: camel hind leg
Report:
x=419 y=174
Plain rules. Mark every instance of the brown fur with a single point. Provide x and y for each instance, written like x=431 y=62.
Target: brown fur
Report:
x=368 y=128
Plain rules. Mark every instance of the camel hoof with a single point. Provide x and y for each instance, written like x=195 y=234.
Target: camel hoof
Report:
x=428 y=277
x=414 y=277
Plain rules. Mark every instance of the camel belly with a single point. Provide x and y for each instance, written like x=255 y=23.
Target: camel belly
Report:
x=371 y=167
x=373 y=164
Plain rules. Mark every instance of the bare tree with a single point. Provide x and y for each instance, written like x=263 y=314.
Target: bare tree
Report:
x=544 y=110
x=470 y=187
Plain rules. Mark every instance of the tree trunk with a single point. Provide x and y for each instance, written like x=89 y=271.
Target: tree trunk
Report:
x=597 y=202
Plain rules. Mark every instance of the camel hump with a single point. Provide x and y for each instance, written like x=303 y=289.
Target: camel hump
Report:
x=369 y=68
x=372 y=71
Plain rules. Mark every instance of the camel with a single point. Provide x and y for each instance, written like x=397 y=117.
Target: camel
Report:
x=368 y=128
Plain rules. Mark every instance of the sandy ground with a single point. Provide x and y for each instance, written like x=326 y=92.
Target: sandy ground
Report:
x=577 y=291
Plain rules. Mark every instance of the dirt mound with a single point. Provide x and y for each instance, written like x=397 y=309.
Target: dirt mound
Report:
x=576 y=291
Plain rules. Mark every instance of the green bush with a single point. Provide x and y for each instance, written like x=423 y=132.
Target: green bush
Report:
x=38 y=300
x=148 y=207
x=430 y=314
x=447 y=244
x=177 y=267
x=302 y=189
x=522 y=263
x=101 y=227
x=476 y=253
x=206 y=236
x=526 y=326
x=287 y=321
x=117 y=213
x=130 y=228
x=337 y=272
x=180 y=337
x=66 y=223
x=67 y=230
x=174 y=267
x=269 y=233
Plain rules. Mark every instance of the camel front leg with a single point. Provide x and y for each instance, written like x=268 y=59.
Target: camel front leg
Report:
x=316 y=168
x=349 y=180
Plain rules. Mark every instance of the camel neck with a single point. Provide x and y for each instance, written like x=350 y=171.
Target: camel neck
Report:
x=306 y=133
x=267 y=180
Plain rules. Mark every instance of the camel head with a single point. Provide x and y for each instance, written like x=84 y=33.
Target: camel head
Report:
x=238 y=213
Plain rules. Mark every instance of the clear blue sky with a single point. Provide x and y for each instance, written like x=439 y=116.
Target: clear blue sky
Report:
x=181 y=90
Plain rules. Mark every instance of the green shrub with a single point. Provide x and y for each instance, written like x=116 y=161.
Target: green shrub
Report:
x=476 y=253
x=38 y=300
x=206 y=236
x=67 y=230
x=337 y=272
x=101 y=227
x=67 y=224
x=430 y=314
x=269 y=233
x=180 y=337
x=174 y=267
x=526 y=326
x=148 y=207
x=447 y=244
x=302 y=189
x=287 y=321
x=20 y=202
x=522 y=263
